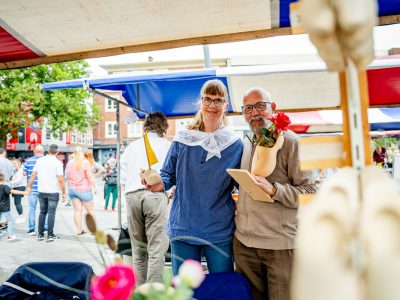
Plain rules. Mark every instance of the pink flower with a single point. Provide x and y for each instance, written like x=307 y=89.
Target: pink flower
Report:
x=117 y=283
x=191 y=273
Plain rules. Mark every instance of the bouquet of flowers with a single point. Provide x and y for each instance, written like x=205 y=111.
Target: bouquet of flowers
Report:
x=268 y=144
x=277 y=124
x=119 y=281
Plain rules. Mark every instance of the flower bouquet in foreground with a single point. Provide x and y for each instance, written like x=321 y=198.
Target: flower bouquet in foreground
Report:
x=118 y=282
x=268 y=144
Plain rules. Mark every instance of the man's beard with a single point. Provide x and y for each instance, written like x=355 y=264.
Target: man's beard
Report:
x=257 y=131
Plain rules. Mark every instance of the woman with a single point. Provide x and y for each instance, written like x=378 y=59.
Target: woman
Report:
x=111 y=187
x=18 y=182
x=96 y=169
x=80 y=185
x=202 y=213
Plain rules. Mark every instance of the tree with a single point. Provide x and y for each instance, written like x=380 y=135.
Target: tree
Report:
x=22 y=101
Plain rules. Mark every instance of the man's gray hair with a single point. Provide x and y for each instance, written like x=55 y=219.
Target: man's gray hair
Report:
x=38 y=149
x=265 y=96
x=53 y=149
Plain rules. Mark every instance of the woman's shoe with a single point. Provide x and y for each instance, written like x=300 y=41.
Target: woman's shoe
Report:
x=323 y=268
x=82 y=232
x=380 y=232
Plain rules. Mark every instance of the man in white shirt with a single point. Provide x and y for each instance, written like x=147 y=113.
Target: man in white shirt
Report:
x=50 y=172
x=147 y=211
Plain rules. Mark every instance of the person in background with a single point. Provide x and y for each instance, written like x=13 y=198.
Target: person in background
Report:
x=6 y=166
x=33 y=197
x=95 y=168
x=202 y=213
x=111 y=186
x=80 y=185
x=379 y=155
x=51 y=179
x=18 y=182
x=5 y=207
x=147 y=211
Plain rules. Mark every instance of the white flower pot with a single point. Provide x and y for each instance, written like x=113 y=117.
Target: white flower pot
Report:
x=264 y=159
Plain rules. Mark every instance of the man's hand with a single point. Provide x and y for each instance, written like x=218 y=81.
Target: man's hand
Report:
x=27 y=191
x=63 y=197
x=158 y=187
x=265 y=185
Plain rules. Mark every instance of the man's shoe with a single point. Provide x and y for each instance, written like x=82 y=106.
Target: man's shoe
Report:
x=52 y=238
x=40 y=237
x=31 y=232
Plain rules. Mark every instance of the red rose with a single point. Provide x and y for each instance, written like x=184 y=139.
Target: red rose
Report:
x=281 y=121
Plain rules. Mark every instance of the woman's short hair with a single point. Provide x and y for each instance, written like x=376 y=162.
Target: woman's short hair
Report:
x=156 y=122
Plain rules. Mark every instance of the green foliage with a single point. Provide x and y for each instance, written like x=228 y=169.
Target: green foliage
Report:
x=268 y=137
x=22 y=101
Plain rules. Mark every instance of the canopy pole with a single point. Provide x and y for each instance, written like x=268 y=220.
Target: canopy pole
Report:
x=118 y=167
x=207 y=58
x=117 y=102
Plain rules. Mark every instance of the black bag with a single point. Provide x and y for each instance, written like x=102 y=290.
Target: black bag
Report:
x=111 y=179
x=124 y=242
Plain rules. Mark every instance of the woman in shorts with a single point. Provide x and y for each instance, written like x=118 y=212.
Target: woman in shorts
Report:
x=81 y=186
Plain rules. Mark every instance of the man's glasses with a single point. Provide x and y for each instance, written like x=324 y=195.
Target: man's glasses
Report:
x=217 y=102
x=259 y=106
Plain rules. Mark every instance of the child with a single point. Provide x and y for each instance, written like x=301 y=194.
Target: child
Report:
x=5 y=191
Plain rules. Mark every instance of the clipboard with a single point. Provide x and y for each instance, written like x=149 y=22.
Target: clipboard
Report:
x=248 y=183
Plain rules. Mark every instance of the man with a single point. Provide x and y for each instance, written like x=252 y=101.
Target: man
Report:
x=33 y=195
x=50 y=172
x=147 y=211
x=6 y=166
x=265 y=232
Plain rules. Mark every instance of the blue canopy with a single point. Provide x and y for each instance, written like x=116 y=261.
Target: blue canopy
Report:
x=174 y=94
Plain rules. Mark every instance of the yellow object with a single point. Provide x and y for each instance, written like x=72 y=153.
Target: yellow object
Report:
x=151 y=157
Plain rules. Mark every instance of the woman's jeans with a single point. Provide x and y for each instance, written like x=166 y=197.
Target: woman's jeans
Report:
x=219 y=256
x=18 y=198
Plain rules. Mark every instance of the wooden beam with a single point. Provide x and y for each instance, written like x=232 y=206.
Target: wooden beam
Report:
x=364 y=98
x=394 y=51
x=223 y=38
x=387 y=20
x=215 y=39
x=347 y=160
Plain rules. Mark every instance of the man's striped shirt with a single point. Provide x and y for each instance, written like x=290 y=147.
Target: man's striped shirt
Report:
x=28 y=168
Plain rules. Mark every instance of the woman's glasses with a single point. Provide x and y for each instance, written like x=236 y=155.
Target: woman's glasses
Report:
x=217 y=102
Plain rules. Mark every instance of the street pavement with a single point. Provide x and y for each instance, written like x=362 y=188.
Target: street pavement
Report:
x=70 y=247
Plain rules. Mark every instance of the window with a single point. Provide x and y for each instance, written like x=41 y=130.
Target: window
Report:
x=135 y=130
x=48 y=136
x=111 y=129
x=74 y=137
x=111 y=105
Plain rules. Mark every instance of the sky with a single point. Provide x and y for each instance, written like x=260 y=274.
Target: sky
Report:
x=385 y=38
